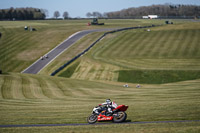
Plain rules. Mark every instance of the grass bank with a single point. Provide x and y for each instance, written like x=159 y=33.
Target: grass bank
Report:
x=157 y=76
x=36 y=99
x=68 y=73
x=20 y=48
x=165 y=51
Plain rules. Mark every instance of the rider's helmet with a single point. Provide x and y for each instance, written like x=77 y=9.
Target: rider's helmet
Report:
x=108 y=101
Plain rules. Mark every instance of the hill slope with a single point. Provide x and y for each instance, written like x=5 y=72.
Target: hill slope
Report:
x=33 y=99
x=168 y=48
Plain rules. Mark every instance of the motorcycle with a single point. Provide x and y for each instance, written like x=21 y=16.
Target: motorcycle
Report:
x=99 y=113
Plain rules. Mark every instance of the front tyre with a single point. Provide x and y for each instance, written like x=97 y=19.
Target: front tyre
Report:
x=119 y=117
x=92 y=118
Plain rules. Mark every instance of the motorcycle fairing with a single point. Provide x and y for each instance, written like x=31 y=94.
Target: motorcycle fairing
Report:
x=104 y=118
x=121 y=107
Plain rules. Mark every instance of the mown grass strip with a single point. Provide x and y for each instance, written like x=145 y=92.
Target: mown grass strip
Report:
x=6 y=89
x=156 y=76
x=46 y=90
x=153 y=44
x=173 y=101
x=26 y=88
x=70 y=70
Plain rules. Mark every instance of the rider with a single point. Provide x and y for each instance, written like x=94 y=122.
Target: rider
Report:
x=110 y=105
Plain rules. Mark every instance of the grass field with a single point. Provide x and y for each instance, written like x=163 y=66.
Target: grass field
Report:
x=167 y=48
x=157 y=76
x=89 y=39
x=71 y=52
x=19 y=48
x=136 y=128
x=36 y=99
x=170 y=51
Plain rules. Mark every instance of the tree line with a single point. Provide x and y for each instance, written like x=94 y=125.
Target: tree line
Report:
x=28 y=14
x=165 y=11
x=22 y=14
x=95 y=15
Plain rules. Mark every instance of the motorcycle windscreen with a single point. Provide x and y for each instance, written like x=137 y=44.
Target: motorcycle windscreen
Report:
x=122 y=107
x=114 y=104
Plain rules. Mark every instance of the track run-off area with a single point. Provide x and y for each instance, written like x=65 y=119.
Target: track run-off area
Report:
x=85 y=124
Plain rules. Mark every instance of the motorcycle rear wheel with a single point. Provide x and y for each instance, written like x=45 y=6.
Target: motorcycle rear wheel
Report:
x=120 y=117
x=92 y=118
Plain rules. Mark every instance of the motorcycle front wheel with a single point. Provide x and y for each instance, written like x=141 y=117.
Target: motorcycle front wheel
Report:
x=120 y=117
x=92 y=118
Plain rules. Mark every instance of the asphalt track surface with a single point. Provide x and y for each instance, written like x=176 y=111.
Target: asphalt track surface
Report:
x=38 y=65
x=86 y=124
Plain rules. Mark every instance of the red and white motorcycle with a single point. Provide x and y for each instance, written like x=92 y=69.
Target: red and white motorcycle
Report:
x=99 y=113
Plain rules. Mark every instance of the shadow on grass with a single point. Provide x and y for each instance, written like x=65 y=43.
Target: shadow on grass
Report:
x=127 y=121
x=111 y=122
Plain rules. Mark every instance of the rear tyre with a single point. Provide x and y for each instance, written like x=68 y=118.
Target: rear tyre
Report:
x=120 y=117
x=92 y=118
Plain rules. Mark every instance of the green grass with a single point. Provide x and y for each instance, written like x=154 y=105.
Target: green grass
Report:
x=40 y=99
x=165 y=48
x=156 y=76
x=136 y=128
x=19 y=48
x=71 y=52
x=129 y=45
x=85 y=42
x=36 y=99
x=68 y=73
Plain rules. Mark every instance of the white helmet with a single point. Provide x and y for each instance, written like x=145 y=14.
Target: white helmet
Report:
x=108 y=101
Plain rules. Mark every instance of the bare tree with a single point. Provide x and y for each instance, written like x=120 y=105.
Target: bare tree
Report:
x=89 y=14
x=104 y=15
x=97 y=15
x=56 y=14
x=65 y=15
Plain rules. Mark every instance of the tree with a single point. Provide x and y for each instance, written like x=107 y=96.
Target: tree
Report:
x=89 y=14
x=96 y=14
x=56 y=14
x=65 y=15
x=104 y=15
x=38 y=15
x=45 y=12
x=21 y=14
x=166 y=10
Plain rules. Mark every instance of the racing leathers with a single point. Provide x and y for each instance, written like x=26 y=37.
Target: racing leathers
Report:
x=110 y=106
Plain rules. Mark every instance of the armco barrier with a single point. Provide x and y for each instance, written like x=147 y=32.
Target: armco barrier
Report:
x=86 y=50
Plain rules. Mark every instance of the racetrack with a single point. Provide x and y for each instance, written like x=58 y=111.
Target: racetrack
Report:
x=37 y=66
x=40 y=64
x=85 y=124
